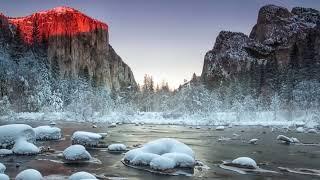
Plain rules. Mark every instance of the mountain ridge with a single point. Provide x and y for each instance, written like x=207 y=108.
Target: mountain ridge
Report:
x=56 y=21
x=281 y=44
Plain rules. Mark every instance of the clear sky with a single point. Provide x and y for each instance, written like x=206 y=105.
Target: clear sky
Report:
x=164 y=38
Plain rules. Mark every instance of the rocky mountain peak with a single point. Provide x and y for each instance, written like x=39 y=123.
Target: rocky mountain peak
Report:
x=72 y=44
x=227 y=40
x=276 y=26
x=271 y=13
x=263 y=60
x=58 y=21
x=307 y=14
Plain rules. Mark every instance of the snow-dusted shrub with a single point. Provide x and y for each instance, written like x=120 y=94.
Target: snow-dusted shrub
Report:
x=5 y=106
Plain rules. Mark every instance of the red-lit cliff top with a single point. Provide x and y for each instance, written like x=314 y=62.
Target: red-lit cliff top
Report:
x=56 y=21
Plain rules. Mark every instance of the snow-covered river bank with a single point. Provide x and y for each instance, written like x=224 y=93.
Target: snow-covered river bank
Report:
x=210 y=146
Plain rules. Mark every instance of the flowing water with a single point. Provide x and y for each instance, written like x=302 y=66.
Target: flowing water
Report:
x=268 y=153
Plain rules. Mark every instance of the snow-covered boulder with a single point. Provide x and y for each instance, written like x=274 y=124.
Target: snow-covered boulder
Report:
x=5 y=152
x=103 y=135
x=300 y=129
x=313 y=131
x=4 y=177
x=112 y=125
x=253 y=141
x=10 y=133
x=162 y=154
x=76 y=153
x=81 y=176
x=52 y=123
x=2 y=168
x=117 y=147
x=295 y=140
x=47 y=133
x=86 y=138
x=29 y=174
x=284 y=139
x=245 y=162
x=23 y=147
x=220 y=128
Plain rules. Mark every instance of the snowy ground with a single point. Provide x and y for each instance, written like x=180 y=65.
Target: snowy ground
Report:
x=265 y=118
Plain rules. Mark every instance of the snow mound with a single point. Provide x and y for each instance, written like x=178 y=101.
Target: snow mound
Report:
x=23 y=147
x=162 y=163
x=2 y=168
x=162 y=154
x=4 y=177
x=220 y=128
x=245 y=161
x=76 y=153
x=117 y=147
x=47 y=133
x=300 y=129
x=143 y=158
x=29 y=174
x=10 y=133
x=81 y=176
x=5 y=152
x=86 y=138
x=181 y=160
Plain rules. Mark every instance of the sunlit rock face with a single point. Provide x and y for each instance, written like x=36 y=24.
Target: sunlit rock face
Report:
x=281 y=41
x=77 y=45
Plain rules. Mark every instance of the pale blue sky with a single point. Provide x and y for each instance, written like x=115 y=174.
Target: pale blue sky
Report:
x=164 y=38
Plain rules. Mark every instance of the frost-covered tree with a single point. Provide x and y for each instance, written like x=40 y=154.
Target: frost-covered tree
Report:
x=275 y=105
